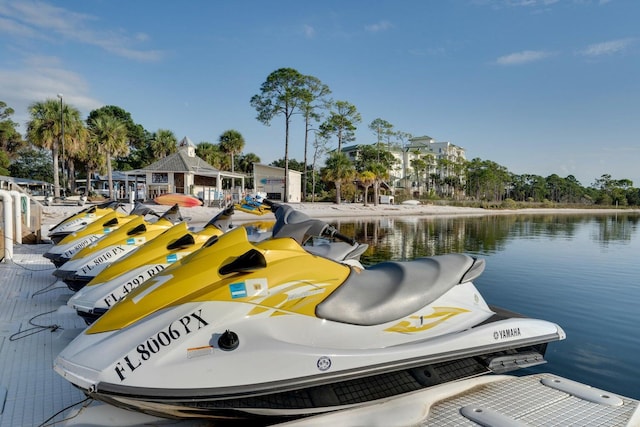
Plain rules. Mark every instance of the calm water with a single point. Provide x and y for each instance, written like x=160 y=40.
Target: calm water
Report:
x=582 y=272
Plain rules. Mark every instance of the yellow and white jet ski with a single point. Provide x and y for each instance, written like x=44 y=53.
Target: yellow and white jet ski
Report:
x=118 y=279
x=122 y=276
x=267 y=329
x=80 y=219
x=85 y=236
x=85 y=264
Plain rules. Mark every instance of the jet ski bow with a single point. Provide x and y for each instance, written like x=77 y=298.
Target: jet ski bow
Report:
x=77 y=240
x=80 y=219
x=85 y=264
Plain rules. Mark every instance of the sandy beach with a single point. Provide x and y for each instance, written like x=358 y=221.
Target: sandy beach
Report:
x=198 y=216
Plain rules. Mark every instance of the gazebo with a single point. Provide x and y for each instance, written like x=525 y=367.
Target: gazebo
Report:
x=185 y=173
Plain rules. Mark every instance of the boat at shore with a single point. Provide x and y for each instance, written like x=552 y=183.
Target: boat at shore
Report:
x=183 y=200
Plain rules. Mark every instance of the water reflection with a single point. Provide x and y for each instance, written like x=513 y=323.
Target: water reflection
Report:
x=404 y=238
x=615 y=229
x=580 y=271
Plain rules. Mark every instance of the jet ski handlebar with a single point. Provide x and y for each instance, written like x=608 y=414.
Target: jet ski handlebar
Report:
x=296 y=224
x=331 y=231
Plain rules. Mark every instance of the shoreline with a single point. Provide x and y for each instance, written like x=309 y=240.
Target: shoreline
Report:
x=198 y=216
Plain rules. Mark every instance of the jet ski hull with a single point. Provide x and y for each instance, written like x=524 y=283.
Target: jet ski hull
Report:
x=278 y=406
x=267 y=376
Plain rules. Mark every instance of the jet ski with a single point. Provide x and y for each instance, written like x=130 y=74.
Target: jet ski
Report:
x=118 y=279
x=247 y=330
x=85 y=236
x=91 y=260
x=80 y=219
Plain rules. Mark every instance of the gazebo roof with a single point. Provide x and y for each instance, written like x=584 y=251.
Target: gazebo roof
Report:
x=182 y=161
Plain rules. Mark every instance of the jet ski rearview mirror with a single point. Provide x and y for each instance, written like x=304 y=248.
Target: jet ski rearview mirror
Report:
x=251 y=260
x=182 y=242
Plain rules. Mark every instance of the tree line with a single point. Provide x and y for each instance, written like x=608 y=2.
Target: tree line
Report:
x=287 y=92
x=59 y=145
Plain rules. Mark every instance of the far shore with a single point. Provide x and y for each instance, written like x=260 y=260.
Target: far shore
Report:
x=198 y=216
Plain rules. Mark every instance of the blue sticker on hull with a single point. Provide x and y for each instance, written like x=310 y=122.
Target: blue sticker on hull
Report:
x=238 y=290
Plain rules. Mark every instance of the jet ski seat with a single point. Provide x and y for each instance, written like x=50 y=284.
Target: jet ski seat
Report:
x=391 y=290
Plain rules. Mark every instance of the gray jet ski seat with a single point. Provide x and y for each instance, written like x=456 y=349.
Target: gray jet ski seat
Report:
x=391 y=290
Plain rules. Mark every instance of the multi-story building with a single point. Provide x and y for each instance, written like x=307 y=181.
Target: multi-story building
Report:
x=422 y=166
x=431 y=166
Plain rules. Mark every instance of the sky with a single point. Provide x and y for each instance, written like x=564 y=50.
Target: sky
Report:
x=538 y=86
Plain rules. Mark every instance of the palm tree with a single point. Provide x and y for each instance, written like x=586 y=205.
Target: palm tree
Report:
x=430 y=160
x=381 y=173
x=46 y=130
x=231 y=142
x=93 y=160
x=210 y=153
x=367 y=178
x=337 y=170
x=163 y=143
x=245 y=162
x=419 y=166
x=110 y=134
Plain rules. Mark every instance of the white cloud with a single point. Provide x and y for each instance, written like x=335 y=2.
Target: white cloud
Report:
x=380 y=26
x=43 y=78
x=607 y=48
x=523 y=57
x=499 y=4
x=309 y=31
x=38 y=20
x=531 y=3
x=16 y=29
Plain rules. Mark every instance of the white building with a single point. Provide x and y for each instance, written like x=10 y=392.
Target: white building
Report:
x=442 y=162
x=186 y=173
x=270 y=180
x=443 y=166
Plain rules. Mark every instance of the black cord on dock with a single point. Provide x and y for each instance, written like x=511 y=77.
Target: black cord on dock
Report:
x=36 y=328
x=44 y=423
x=10 y=260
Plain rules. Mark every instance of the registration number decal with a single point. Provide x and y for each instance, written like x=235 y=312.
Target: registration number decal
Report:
x=157 y=343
